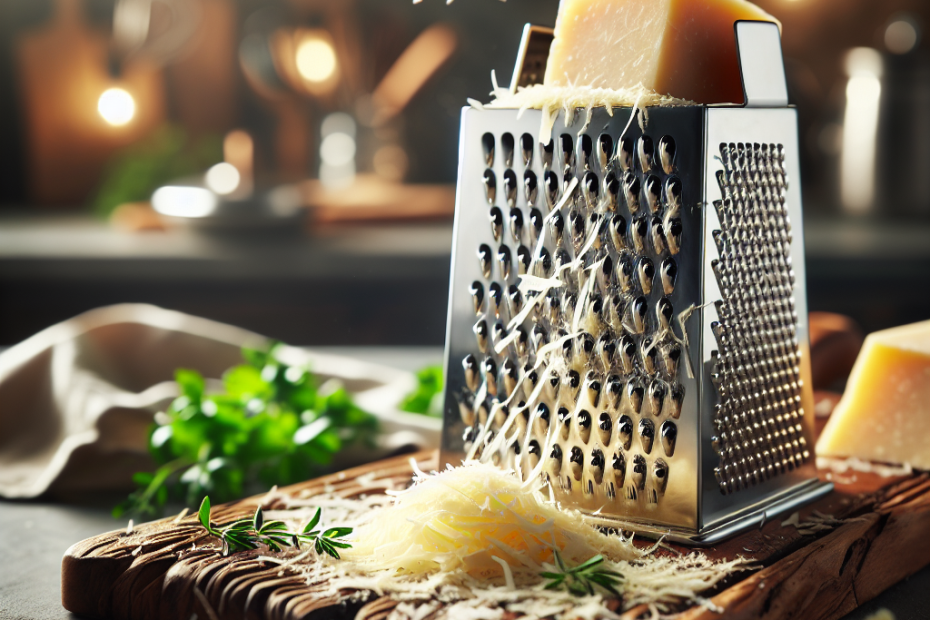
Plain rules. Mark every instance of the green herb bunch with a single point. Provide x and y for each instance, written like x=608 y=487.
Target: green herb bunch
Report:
x=166 y=154
x=271 y=424
x=427 y=397
x=246 y=534
x=583 y=579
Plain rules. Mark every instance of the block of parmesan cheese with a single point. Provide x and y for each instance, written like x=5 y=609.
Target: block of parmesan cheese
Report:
x=682 y=48
x=884 y=414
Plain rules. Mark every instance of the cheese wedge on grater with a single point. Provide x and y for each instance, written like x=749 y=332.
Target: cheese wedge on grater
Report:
x=681 y=47
x=627 y=316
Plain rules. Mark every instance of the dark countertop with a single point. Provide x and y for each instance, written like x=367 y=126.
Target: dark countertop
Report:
x=30 y=572
x=56 y=246
x=316 y=289
x=35 y=535
x=50 y=245
x=319 y=288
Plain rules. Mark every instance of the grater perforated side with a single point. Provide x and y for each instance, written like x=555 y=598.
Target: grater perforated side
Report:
x=626 y=311
x=756 y=371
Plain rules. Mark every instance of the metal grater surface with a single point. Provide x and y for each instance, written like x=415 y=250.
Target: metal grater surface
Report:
x=627 y=309
x=757 y=363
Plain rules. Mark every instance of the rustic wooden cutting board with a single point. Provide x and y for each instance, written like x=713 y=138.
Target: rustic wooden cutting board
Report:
x=158 y=571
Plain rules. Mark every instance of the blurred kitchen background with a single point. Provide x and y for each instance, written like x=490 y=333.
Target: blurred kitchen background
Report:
x=289 y=165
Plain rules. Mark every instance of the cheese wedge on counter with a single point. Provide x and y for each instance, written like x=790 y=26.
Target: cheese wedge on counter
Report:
x=682 y=48
x=884 y=414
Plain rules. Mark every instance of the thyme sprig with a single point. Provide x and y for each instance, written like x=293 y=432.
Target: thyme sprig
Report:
x=582 y=579
x=246 y=534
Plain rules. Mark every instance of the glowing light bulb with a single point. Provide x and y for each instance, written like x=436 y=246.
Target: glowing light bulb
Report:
x=316 y=59
x=223 y=178
x=116 y=106
x=338 y=149
x=860 y=129
x=184 y=201
x=901 y=36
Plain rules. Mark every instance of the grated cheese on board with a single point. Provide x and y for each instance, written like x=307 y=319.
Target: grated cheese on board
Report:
x=471 y=541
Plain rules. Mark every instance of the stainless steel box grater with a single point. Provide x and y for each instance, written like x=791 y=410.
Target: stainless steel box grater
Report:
x=663 y=382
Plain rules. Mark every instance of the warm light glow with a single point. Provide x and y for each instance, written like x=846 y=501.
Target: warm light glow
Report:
x=116 y=106
x=316 y=59
x=337 y=122
x=222 y=178
x=337 y=177
x=238 y=150
x=184 y=201
x=390 y=162
x=337 y=150
x=901 y=36
x=860 y=130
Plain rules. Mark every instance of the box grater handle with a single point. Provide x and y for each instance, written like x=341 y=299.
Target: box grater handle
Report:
x=758 y=46
x=532 y=56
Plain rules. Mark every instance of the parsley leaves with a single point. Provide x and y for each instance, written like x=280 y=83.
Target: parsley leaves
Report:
x=271 y=424
x=427 y=397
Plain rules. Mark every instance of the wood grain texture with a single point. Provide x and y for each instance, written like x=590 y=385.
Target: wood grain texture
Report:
x=883 y=541
x=161 y=570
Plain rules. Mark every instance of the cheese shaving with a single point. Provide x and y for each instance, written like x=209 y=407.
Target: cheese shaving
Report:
x=506 y=342
x=570 y=99
x=530 y=283
x=567 y=195
x=585 y=293
x=841 y=466
x=528 y=307
x=683 y=317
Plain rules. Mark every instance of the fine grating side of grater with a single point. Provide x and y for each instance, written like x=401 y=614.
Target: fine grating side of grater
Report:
x=627 y=314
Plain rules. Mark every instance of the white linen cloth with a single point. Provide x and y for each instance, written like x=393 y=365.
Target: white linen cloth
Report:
x=76 y=399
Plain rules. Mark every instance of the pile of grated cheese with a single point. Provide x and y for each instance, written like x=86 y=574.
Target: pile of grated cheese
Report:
x=569 y=100
x=471 y=541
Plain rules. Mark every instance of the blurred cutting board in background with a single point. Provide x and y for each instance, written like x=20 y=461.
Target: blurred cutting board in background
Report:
x=371 y=198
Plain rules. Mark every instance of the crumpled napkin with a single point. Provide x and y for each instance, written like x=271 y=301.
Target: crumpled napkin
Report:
x=76 y=399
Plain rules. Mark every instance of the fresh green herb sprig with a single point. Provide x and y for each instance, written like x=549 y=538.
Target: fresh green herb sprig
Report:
x=582 y=579
x=427 y=397
x=271 y=424
x=166 y=154
x=246 y=534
